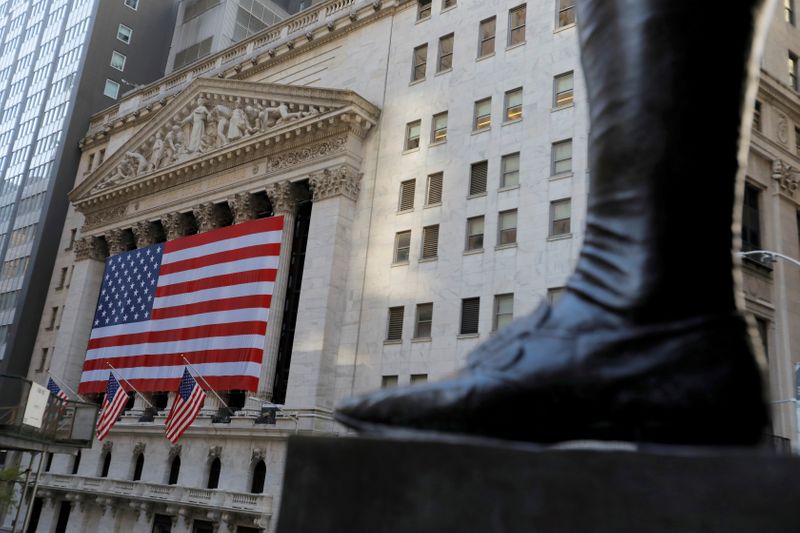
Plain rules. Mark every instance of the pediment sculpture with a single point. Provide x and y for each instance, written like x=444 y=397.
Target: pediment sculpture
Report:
x=212 y=122
x=787 y=177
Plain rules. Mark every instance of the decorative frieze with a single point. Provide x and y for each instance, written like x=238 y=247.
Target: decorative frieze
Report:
x=788 y=178
x=306 y=154
x=176 y=225
x=102 y=217
x=144 y=233
x=282 y=197
x=342 y=180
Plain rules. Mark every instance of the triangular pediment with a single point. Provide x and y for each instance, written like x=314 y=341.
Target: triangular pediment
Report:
x=213 y=118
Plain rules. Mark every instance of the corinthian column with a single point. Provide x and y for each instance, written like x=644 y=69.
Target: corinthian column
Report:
x=321 y=310
x=283 y=198
x=175 y=225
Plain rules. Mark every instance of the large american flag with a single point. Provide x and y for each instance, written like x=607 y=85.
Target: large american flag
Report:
x=205 y=297
x=184 y=410
x=114 y=402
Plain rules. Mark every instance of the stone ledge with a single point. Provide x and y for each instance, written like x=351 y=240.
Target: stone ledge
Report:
x=367 y=485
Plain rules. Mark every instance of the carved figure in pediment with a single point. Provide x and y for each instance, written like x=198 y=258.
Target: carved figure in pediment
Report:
x=198 y=119
x=222 y=115
x=251 y=113
x=157 y=153
x=239 y=125
x=176 y=144
x=286 y=115
x=139 y=162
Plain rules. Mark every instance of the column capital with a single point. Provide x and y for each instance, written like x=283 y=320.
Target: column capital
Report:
x=88 y=248
x=343 y=180
x=116 y=241
x=144 y=234
x=175 y=225
x=205 y=215
x=243 y=207
x=282 y=197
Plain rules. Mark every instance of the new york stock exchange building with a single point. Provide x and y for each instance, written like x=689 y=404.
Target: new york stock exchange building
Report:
x=421 y=167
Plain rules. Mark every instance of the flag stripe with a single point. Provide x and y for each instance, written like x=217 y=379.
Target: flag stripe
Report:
x=229 y=232
x=220 y=383
x=246 y=289
x=199 y=332
x=213 y=306
x=243 y=265
x=214 y=282
x=191 y=345
x=252 y=355
x=258 y=314
x=207 y=369
x=186 y=415
x=227 y=256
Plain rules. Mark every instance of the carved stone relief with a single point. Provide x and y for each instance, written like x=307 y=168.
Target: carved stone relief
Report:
x=174 y=451
x=343 y=180
x=138 y=448
x=258 y=455
x=294 y=157
x=782 y=128
x=214 y=452
x=788 y=178
x=105 y=216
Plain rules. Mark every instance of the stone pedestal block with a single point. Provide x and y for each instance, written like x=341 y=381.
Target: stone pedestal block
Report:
x=392 y=486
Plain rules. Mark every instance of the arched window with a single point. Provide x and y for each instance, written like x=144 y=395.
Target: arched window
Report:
x=213 y=473
x=106 y=465
x=259 y=474
x=137 y=469
x=76 y=462
x=174 y=470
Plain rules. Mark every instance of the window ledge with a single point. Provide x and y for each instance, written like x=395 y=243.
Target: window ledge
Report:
x=442 y=72
x=400 y=264
x=468 y=336
x=559 y=237
x=482 y=130
x=392 y=342
x=411 y=150
x=423 y=19
x=405 y=211
x=416 y=82
x=437 y=143
x=505 y=246
x=428 y=259
x=476 y=251
x=508 y=188
x=487 y=56
x=437 y=204
x=416 y=340
x=564 y=28
x=476 y=195
x=562 y=107
x=510 y=122
x=513 y=46
x=445 y=10
x=556 y=177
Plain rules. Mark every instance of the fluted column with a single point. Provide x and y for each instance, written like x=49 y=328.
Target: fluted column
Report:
x=283 y=197
x=320 y=314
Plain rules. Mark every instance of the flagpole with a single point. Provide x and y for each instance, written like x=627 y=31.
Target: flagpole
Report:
x=67 y=387
x=199 y=375
x=131 y=385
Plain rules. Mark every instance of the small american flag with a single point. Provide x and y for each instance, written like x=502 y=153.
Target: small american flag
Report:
x=206 y=296
x=55 y=389
x=114 y=402
x=184 y=410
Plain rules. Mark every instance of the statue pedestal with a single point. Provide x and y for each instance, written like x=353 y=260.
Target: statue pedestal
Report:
x=335 y=485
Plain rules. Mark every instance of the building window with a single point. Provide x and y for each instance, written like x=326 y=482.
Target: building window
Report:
x=124 y=33
x=62 y=279
x=420 y=60
x=566 y=13
x=554 y=294
x=402 y=245
x=516 y=25
x=433 y=194
x=563 y=86
x=751 y=219
x=192 y=53
x=763 y=333
x=470 y=315
x=419 y=379
x=259 y=476
x=503 y=310
x=394 y=328
x=430 y=242
x=72 y=235
x=477 y=178
x=510 y=171
x=797 y=140
x=412 y=135
x=445 y=53
x=118 y=60
x=792 y=66
x=388 y=381
x=76 y=463
x=43 y=360
x=560 y=214
x=562 y=157
x=106 y=465
x=483 y=114
x=757 y=116
x=423 y=9
x=513 y=105
x=174 y=470
x=439 y=128
x=424 y=320
x=486 y=33
x=138 y=467
x=111 y=89
x=407 y=190
x=53 y=317
x=474 y=233
x=195 y=8
x=507 y=227
x=788 y=10
x=133 y=4
x=213 y=473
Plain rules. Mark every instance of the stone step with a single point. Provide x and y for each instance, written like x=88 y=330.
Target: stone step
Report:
x=360 y=485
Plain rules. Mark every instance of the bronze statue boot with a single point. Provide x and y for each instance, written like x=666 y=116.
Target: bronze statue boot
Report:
x=647 y=343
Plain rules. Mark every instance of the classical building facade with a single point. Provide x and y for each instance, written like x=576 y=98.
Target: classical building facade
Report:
x=430 y=160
